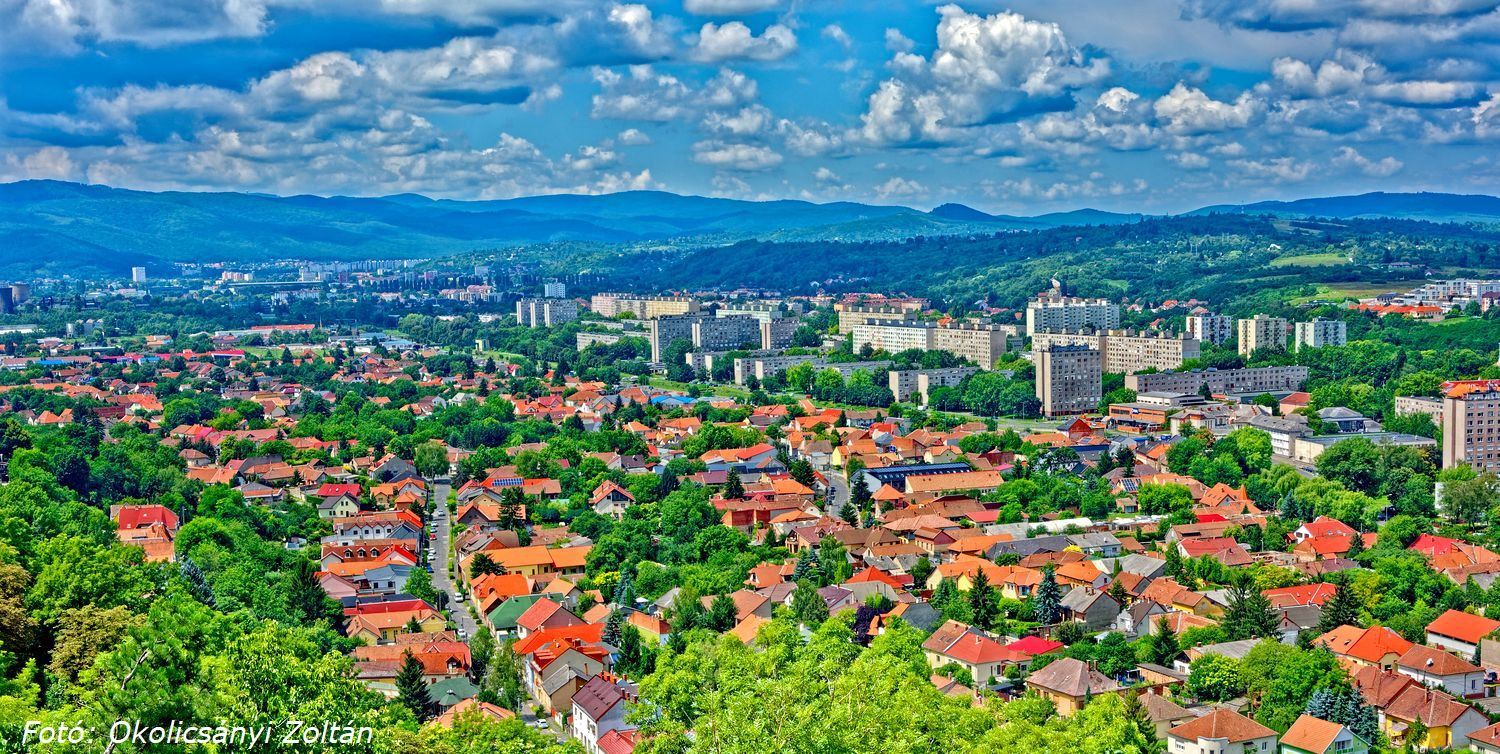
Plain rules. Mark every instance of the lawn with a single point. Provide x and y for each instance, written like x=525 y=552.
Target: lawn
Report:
x=1340 y=291
x=1326 y=259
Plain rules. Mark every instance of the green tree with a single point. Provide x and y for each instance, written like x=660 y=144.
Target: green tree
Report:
x=431 y=460
x=1047 y=602
x=1161 y=646
x=1249 y=613
x=807 y=605
x=1215 y=678
x=411 y=688
x=982 y=601
x=1342 y=609
x=734 y=489
x=419 y=585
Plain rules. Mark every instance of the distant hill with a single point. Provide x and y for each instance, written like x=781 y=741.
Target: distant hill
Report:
x=47 y=227
x=1434 y=207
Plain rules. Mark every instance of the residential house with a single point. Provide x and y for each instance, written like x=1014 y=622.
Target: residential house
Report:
x=1460 y=632
x=1448 y=720
x=1222 y=731
x=1313 y=735
x=1092 y=607
x=971 y=649
x=1442 y=670
x=1378 y=646
x=599 y=707
x=1069 y=683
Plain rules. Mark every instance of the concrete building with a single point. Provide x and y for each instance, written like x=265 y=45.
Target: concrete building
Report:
x=1471 y=424
x=777 y=334
x=979 y=342
x=1262 y=331
x=1125 y=351
x=554 y=289
x=1069 y=380
x=1210 y=328
x=851 y=315
x=586 y=339
x=893 y=336
x=1411 y=405
x=137 y=274
x=1318 y=333
x=726 y=333
x=1053 y=311
x=545 y=312
x=644 y=307
x=668 y=328
x=761 y=367
x=761 y=311
x=1221 y=381
x=908 y=383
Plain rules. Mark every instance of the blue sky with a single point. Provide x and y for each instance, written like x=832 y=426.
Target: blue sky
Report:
x=1024 y=106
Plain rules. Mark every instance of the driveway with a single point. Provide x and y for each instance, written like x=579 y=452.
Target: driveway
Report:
x=438 y=557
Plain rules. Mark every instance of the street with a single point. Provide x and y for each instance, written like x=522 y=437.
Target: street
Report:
x=838 y=493
x=458 y=612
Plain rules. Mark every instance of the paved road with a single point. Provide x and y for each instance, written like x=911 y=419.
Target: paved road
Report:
x=438 y=557
x=838 y=493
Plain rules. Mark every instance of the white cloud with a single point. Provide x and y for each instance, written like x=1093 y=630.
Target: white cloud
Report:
x=748 y=121
x=824 y=175
x=1282 y=169
x=745 y=157
x=46 y=163
x=1351 y=158
x=985 y=70
x=632 y=137
x=1187 y=110
x=67 y=24
x=735 y=41
x=897 y=186
x=641 y=29
x=839 y=37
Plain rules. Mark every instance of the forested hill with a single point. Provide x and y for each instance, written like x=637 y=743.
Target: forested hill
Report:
x=52 y=227
x=1212 y=257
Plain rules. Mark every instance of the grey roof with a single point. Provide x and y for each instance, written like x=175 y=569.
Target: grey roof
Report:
x=1072 y=677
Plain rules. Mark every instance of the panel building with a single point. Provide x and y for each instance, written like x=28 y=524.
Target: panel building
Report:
x=705 y=332
x=1053 y=311
x=1471 y=424
x=643 y=307
x=545 y=312
x=1210 y=328
x=1318 y=333
x=1221 y=381
x=980 y=343
x=1262 y=331
x=1069 y=380
x=908 y=383
x=1125 y=351
x=851 y=315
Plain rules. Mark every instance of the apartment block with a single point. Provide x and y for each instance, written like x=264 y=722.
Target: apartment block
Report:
x=980 y=343
x=1210 y=328
x=761 y=367
x=1125 y=351
x=893 y=336
x=554 y=289
x=1411 y=405
x=1052 y=311
x=1262 y=331
x=666 y=329
x=777 y=334
x=726 y=333
x=851 y=315
x=586 y=339
x=1069 y=379
x=644 y=307
x=908 y=383
x=1471 y=424
x=1318 y=333
x=761 y=311
x=545 y=312
x=1221 y=381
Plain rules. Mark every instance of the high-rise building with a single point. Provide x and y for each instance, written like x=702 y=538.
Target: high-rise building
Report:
x=137 y=274
x=1125 y=351
x=1318 y=333
x=610 y=305
x=1210 y=328
x=1471 y=424
x=1242 y=381
x=908 y=383
x=545 y=312
x=1053 y=311
x=554 y=289
x=981 y=343
x=853 y=315
x=1262 y=331
x=1069 y=380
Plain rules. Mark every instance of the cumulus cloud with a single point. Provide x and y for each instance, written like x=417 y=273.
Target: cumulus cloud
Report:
x=743 y=157
x=66 y=24
x=643 y=93
x=1281 y=169
x=734 y=41
x=1188 y=110
x=632 y=137
x=1350 y=157
x=898 y=187
x=985 y=70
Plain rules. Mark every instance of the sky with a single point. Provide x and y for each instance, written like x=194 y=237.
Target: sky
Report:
x=1020 y=107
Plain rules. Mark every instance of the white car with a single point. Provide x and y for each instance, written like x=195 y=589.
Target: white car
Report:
x=462 y=634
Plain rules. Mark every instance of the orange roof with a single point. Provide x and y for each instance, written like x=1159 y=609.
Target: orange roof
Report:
x=1466 y=627
x=1367 y=644
x=1222 y=723
x=1312 y=734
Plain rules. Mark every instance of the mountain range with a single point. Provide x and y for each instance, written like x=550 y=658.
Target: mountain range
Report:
x=53 y=227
